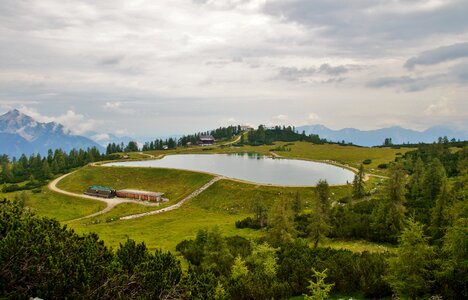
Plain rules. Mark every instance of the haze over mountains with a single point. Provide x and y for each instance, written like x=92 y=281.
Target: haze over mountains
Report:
x=399 y=135
x=21 y=134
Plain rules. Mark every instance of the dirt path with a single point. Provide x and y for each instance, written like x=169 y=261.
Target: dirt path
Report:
x=147 y=154
x=178 y=204
x=111 y=202
x=232 y=142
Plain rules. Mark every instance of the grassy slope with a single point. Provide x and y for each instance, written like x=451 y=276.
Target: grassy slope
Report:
x=61 y=207
x=220 y=205
x=175 y=184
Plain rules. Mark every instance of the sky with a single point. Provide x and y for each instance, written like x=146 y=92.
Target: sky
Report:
x=154 y=68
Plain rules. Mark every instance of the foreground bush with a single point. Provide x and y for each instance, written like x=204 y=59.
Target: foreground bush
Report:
x=41 y=258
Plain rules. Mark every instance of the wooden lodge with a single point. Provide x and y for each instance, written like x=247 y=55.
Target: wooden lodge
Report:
x=140 y=195
x=100 y=191
x=206 y=140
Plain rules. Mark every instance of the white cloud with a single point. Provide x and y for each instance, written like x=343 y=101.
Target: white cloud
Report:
x=444 y=107
x=281 y=117
x=76 y=123
x=112 y=105
x=313 y=117
x=122 y=132
x=100 y=137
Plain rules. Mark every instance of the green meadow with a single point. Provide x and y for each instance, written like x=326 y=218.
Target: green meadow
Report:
x=220 y=205
x=55 y=205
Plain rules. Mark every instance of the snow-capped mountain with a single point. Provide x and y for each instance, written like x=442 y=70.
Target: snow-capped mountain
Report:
x=20 y=134
x=376 y=137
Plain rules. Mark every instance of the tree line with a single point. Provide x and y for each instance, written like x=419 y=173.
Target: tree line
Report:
x=37 y=169
x=266 y=136
x=221 y=133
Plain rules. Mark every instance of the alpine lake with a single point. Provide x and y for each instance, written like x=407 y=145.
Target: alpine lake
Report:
x=252 y=168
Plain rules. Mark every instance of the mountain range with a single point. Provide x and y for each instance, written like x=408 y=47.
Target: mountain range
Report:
x=21 y=134
x=399 y=135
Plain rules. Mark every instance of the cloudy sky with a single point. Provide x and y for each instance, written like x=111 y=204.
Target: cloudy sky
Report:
x=177 y=66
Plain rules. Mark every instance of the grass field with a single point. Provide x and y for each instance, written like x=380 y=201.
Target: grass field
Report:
x=59 y=206
x=122 y=210
x=220 y=205
x=175 y=184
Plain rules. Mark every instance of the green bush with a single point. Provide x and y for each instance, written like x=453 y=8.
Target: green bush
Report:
x=367 y=161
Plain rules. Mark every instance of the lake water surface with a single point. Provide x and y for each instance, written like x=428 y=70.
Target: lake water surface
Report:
x=251 y=167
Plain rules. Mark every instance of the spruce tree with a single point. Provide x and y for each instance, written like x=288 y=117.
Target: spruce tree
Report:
x=358 y=183
x=409 y=272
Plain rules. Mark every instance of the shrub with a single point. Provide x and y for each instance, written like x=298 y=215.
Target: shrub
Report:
x=382 y=166
x=249 y=222
x=367 y=161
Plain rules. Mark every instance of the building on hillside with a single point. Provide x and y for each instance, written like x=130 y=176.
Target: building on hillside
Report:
x=100 y=191
x=246 y=128
x=206 y=140
x=140 y=195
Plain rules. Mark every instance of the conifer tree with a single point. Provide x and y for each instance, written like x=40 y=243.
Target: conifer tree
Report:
x=358 y=183
x=409 y=272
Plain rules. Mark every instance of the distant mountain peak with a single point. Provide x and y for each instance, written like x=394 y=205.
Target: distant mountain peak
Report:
x=376 y=137
x=18 y=128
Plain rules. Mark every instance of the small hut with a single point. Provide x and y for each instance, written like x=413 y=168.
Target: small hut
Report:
x=206 y=140
x=100 y=191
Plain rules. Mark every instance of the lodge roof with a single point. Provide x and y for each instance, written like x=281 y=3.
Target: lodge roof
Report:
x=206 y=138
x=101 y=188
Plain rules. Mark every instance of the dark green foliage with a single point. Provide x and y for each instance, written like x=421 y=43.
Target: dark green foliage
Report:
x=352 y=221
x=197 y=284
x=222 y=133
x=358 y=183
x=427 y=153
x=41 y=258
x=258 y=221
x=37 y=170
x=382 y=166
x=388 y=216
x=249 y=222
x=132 y=146
x=350 y=272
x=281 y=227
x=263 y=135
x=366 y=162
x=409 y=272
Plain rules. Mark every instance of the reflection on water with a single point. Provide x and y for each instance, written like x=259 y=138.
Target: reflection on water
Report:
x=251 y=167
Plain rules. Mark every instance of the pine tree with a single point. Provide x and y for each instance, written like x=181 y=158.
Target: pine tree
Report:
x=409 y=272
x=358 y=183
x=281 y=223
x=319 y=227
x=319 y=290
